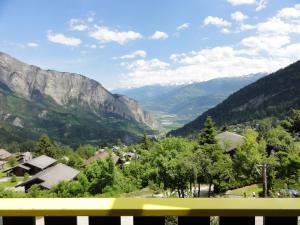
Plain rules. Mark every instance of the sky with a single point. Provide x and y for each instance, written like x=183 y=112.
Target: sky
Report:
x=133 y=43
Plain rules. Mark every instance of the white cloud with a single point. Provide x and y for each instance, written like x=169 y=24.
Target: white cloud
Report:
x=138 y=53
x=32 y=45
x=159 y=35
x=260 y=4
x=238 y=16
x=198 y=66
x=241 y=2
x=64 y=40
x=245 y=27
x=271 y=46
x=267 y=43
x=183 y=26
x=106 y=34
x=290 y=13
x=77 y=24
x=90 y=19
x=274 y=25
x=216 y=21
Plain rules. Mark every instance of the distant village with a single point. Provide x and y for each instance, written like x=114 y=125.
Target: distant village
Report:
x=47 y=172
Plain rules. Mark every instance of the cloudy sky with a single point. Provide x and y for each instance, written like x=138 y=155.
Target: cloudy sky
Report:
x=130 y=43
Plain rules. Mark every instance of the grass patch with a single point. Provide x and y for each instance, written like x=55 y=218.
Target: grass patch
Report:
x=248 y=190
x=9 y=183
x=145 y=192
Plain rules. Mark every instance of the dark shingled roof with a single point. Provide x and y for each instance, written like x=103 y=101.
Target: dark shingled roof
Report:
x=41 y=162
x=52 y=176
x=229 y=141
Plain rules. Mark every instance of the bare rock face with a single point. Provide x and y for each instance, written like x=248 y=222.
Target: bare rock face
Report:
x=67 y=89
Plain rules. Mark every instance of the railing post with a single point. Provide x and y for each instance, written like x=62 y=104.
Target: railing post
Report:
x=193 y=220
x=39 y=220
x=1 y=220
x=82 y=220
x=126 y=220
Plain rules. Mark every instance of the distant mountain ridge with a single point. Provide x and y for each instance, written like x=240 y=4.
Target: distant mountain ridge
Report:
x=60 y=92
x=188 y=101
x=272 y=95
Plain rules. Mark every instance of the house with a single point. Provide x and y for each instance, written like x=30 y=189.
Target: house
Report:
x=51 y=176
x=33 y=166
x=101 y=155
x=130 y=155
x=4 y=155
x=24 y=157
x=230 y=141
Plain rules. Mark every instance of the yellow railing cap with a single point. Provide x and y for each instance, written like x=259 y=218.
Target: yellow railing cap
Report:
x=149 y=207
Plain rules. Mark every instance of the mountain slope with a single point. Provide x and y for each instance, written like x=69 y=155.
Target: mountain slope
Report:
x=69 y=107
x=273 y=95
x=188 y=101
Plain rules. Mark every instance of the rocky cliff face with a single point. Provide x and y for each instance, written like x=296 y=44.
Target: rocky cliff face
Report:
x=68 y=90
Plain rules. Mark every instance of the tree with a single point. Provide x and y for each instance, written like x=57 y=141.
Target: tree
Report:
x=208 y=133
x=292 y=122
x=146 y=142
x=214 y=167
x=100 y=174
x=45 y=147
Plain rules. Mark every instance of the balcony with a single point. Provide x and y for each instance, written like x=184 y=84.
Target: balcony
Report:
x=104 y=211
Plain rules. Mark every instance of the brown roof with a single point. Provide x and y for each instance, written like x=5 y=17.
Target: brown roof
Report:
x=41 y=162
x=101 y=155
x=4 y=154
x=52 y=176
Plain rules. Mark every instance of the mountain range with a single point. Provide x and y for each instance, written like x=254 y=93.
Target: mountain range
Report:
x=271 y=96
x=186 y=102
x=70 y=108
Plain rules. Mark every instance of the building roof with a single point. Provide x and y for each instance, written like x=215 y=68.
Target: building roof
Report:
x=52 y=176
x=101 y=155
x=41 y=162
x=4 y=154
x=229 y=140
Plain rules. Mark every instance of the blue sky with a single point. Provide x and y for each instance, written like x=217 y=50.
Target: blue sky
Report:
x=138 y=42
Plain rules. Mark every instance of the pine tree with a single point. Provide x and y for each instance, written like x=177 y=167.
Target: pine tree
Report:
x=46 y=147
x=208 y=133
x=146 y=142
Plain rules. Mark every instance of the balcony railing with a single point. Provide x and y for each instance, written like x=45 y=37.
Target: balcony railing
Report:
x=104 y=211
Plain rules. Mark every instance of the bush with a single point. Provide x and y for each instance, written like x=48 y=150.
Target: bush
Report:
x=13 y=179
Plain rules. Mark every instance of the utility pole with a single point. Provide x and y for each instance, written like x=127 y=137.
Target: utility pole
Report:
x=263 y=173
x=265 y=180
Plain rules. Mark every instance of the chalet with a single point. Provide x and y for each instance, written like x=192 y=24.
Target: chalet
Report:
x=33 y=166
x=130 y=155
x=24 y=157
x=51 y=176
x=102 y=155
x=230 y=141
x=4 y=155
